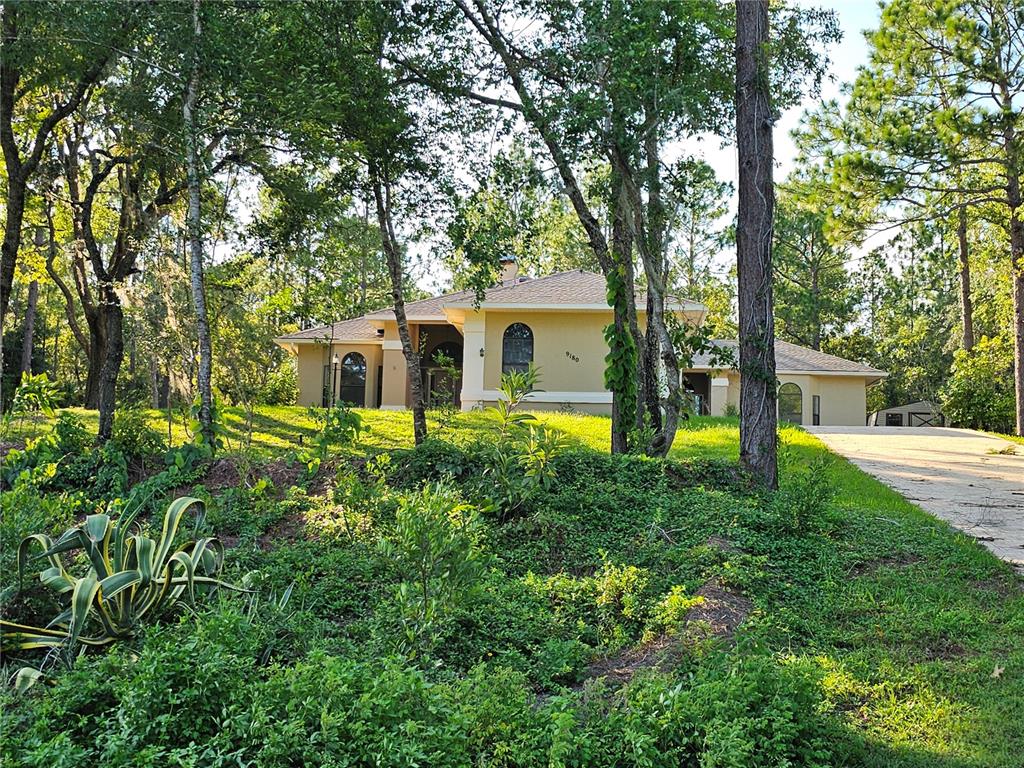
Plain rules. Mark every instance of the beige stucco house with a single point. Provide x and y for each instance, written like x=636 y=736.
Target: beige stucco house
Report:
x=557 y=323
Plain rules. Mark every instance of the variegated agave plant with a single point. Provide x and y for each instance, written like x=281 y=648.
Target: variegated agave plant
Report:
x=130 y=577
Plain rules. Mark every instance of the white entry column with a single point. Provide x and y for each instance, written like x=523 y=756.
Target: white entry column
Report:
x=719 y=396
x=473 y=353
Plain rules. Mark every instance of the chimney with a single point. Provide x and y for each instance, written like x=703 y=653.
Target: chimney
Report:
x=509 y=270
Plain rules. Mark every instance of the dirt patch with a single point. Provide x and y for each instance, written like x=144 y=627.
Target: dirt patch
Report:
x=717 y=542
x=281 y=473
x=716 y=617
x=221 y=474
x=14 y=445
x=943 y=649
x=619 y=670
x=323 y=481
x=230 y=472
x=889 y=561
x=1004 y=586
x=721 y=612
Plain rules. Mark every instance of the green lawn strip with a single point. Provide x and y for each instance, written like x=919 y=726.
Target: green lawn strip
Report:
x=1010 y=438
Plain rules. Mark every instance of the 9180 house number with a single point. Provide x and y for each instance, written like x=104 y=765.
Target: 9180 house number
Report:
x=571 y=356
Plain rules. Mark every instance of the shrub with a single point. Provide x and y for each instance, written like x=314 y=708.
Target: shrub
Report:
x=69 y=434
x=520 y=464
x=133 y=435
x=356 y=502
x=336 y=427
x=435 y=547
x=35 y=394
x=434 y=460
x=803 y=500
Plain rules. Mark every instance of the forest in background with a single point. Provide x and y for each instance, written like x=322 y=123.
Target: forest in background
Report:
x=894 y=238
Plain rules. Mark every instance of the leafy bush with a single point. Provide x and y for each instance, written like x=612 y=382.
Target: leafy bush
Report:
x=133 y=435
x=35 y=394
x=357 y=500
x=436 y=549
x=69 y=434
x=979 y=392
x=434 y=460
x=281 y=386
x=66 y=441
x=336 y=427
x=520 y=464
x=803 y=500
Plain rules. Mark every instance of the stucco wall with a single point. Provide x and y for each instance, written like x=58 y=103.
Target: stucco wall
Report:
x=569 y=348
x=310 y=363
x=843 y=398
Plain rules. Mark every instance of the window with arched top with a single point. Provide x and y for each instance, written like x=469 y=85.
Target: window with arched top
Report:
x=791 y=403
x=353 y=380
x=516 y=348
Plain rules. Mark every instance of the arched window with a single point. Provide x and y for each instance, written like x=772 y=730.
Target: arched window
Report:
x=791 y=403
x=353 y=380
x=516 y=348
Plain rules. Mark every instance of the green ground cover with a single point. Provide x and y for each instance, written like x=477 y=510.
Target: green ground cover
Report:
x=875 y=635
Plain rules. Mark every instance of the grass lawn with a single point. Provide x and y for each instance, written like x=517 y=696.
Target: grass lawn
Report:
x=911 y=633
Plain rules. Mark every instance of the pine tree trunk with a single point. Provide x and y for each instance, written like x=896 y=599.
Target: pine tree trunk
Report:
x=966 y=305
x=382 y=196
x=195 y=237
x=758 y=416
x=1017 y=272
x=30 y=326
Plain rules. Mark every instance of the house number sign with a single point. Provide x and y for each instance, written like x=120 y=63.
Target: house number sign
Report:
x=571 y=356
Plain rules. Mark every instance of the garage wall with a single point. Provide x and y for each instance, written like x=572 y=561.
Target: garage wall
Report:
x=843 y=400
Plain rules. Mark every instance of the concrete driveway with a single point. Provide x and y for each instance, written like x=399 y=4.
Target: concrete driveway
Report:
x=955 y=474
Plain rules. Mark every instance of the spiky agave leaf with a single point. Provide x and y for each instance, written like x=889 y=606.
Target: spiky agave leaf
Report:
x=131 y=576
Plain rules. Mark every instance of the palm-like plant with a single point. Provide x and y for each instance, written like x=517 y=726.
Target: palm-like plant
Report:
x=130 y=577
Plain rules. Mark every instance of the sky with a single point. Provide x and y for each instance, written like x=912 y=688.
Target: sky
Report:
x=854 y=17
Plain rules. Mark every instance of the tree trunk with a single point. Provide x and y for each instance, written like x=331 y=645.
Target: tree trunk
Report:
x=96 y=353
x=112 y=318
x=758 y=417
x=815 y=302
x=195 y=241
x=382 y=196
x=627 y=409
x=12 y=238
x=30 y=326
x=1017 y=276
x=966 y=306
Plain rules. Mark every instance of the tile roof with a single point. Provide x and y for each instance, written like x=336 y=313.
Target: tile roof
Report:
x=791 y=357
x=357 y=329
